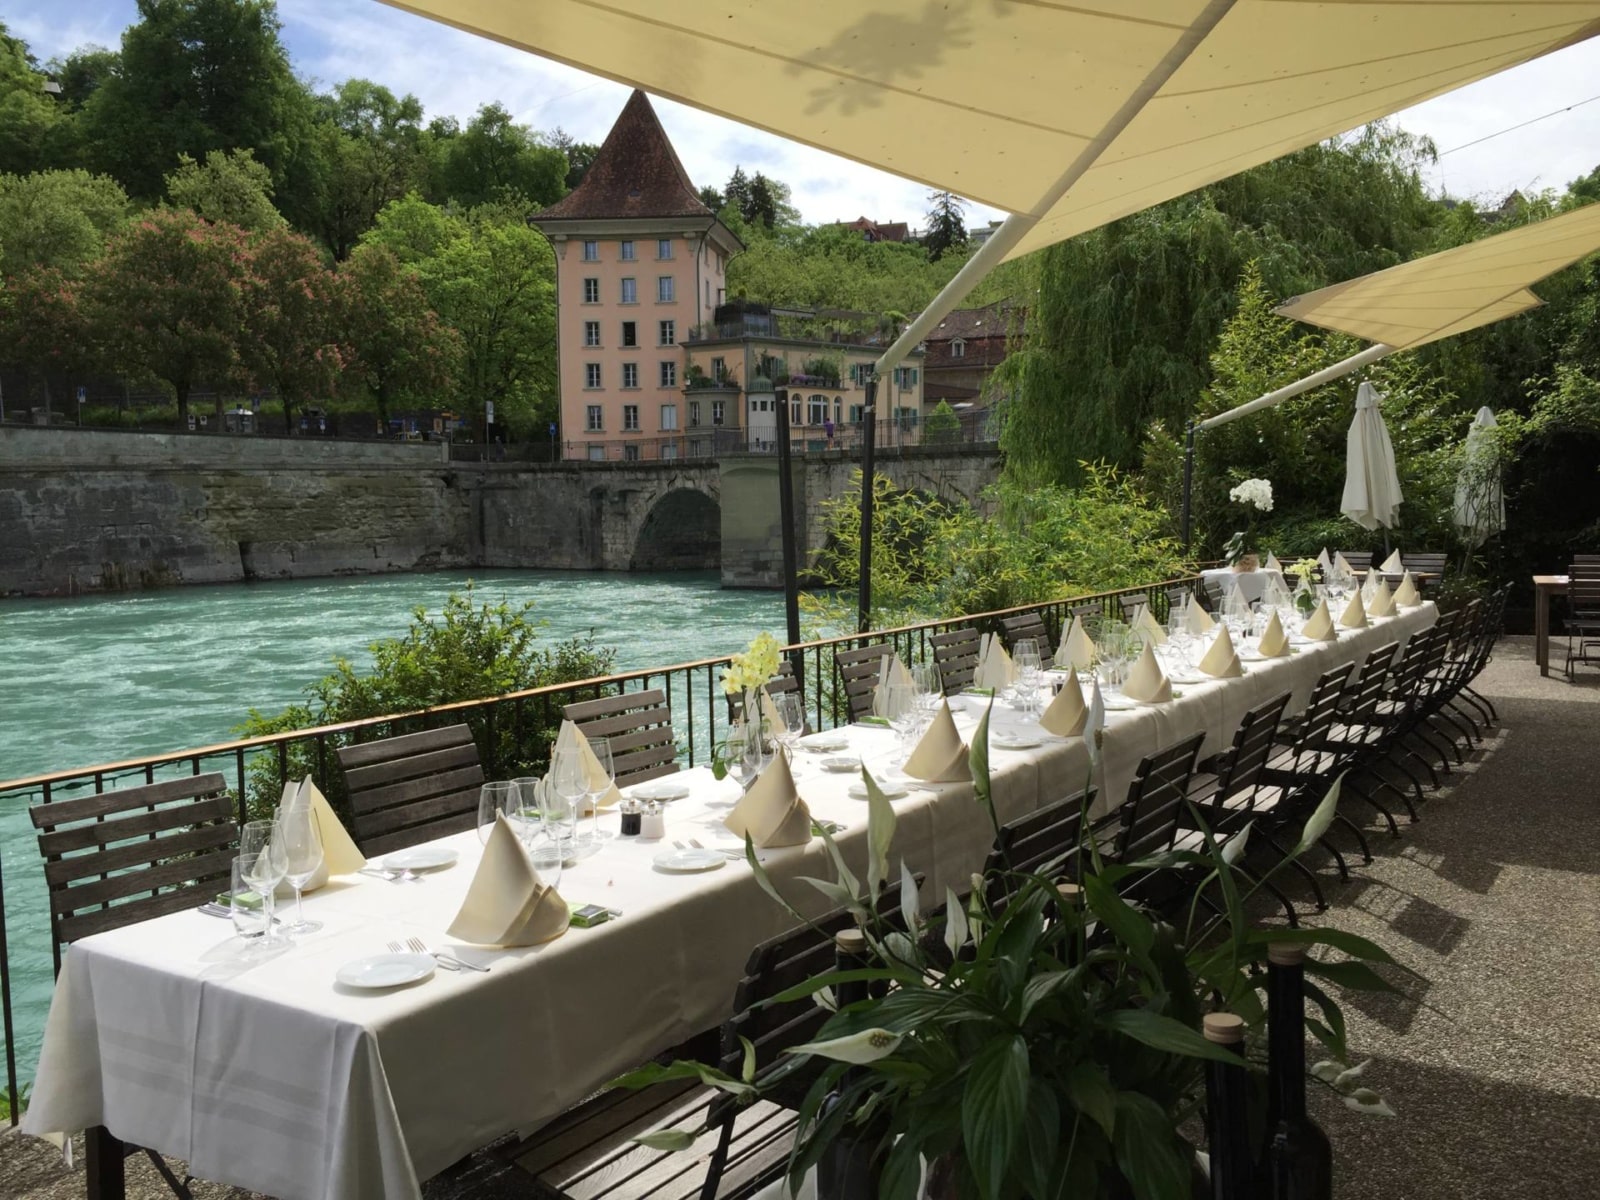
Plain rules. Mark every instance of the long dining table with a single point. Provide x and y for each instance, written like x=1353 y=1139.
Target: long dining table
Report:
x=263 y=1072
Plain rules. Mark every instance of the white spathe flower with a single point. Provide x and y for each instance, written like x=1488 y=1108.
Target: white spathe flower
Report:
x=1255 y=492
x=868 y=1046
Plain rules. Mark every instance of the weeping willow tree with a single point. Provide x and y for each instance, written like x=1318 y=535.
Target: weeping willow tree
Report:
x=1125 y=318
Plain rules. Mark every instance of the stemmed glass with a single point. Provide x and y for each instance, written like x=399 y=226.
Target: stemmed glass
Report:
x=1026 y=656
x=565 y=788
x=598 y=784
x=791 y=711
x=493 y=799
x=525 y=811
x=302 y=856
x=900 y=706
x=264 y=866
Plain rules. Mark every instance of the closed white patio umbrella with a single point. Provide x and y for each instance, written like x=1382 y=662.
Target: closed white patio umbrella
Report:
x=1371 y=483
x=1480 y=507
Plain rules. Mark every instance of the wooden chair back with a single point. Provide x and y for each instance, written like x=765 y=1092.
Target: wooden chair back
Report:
x=1239 y=768
x=1367 y=683
x=1154 y=808
x=1086 y=610
x=1129 y=604
x=639 y=727
x=1176 y=598
x=413 y=788
x=858 y=674
x=1317 y=718
x=1026 y=625
x=1583 y=590
x=119 y=857
x=955 y=653
x=781 y=684
x=1359 y=560
x=1426 y=564
x=1045 y=842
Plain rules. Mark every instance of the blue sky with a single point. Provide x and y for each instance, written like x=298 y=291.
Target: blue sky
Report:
x=454 y=72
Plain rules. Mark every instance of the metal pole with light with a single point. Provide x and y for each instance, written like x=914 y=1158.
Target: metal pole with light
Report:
x=869 y=423
x=1188 y=482
x=791 y=572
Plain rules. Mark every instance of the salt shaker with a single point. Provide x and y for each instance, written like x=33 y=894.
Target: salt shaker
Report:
x=653 y=822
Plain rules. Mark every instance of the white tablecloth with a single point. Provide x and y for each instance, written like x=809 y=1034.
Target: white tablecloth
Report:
x=273 y=1078
x=1252 y=583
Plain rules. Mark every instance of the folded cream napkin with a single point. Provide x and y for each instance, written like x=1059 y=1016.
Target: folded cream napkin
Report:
x=1343 y=567
x=770 y=715
x=1076 y=650
x=1220 y=662
x=507 y=903
x=1319 y=626
x=1273 y=564
x=1355 y=614
x=771 y=812
x=1274 y=594
x=1325 y=562
x=1392 y=565
x=1406 y=594
x=941 y=755
x=1274 y=642
x=339 y=853
x=891 y=673
x=1198 y=620
x=1369 y=587
x=995 y=669
x=1234 y=604
x=1146 y=681
x=593 y=772
x=1146 y=621
x=1382 y=604
x=1067 y=713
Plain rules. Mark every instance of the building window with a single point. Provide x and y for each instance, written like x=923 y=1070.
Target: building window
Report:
x=669 y=374
x=594 y=422
x=905 y=377
x=630 y=375
x=694 y=413
x=855 y=413
x=663 y=248
x=719 y=368
x=669 y=416
x=591 y=291
x=718 y=411
x=669 y=449
x=669 y=333
x=958 y=349
x=630 y=289
x=597 y=453
x=708 y=293
x=630 y=333
x=630 y=453
x=819 y=410
x=627 y=251
x=591 y=252
x=591 y=375
x=666 y=292
x=591 y=333
x=794 y=411
x=836 y=408
x=630 y=418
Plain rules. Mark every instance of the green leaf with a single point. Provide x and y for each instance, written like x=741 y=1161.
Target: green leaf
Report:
x=1354 y=975
x=1148 y=1152
x=1041 y=1139
x=1332 y=1035
x=880 y=832
x=675 y=1140
x=1317 y=823
x=1352 y=944
x=1163 y=1033
x=748 y=1071
x=978 y=761
x=991 y=1110
x=846 y=877
x=901 y=1177
x=1129 y=926
x=1092 y=1095
x=838 y=894
x=1039 y=988
x=764 y=881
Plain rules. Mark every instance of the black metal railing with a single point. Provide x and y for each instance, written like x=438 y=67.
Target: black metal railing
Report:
x=513 y=732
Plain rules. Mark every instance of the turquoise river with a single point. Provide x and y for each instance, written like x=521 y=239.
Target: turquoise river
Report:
x=98 y=679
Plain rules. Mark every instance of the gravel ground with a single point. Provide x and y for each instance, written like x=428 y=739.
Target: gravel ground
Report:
x=1492 y=1062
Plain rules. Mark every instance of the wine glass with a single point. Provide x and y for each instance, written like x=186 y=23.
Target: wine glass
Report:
x=598 y=783
x=302 y=857
x=791 y=711
x=559 y=804
x=266 y=865
x=1029 y=665
x=493 y=799
x=754 y=753
x=524 y=811
x=900 y=707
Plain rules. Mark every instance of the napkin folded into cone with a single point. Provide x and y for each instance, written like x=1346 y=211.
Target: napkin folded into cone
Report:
x=1343 y=567
x=1147 y=682
x=1325 y=562
x=1220 y=662
x=770 y=716
x=995 y=668
x=941 y=755
x=1382 y=603
x=1406 y=595
x=1273 y=564
x=891 y=673
x=339 y=853
x=1076 y=650
x=771 y=812
x=1145 y=620
x=1319 y=626
x=1067 y=713
x=1355 y=614
x=1392 y=565
x=507 y=903
x=1197 y=620
x=1274 y=642
x=593 y=773
x=1369 y=587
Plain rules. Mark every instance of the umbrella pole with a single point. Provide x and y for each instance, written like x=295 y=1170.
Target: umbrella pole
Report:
x=791 y=573
x=1188 y=483
x=869 y=427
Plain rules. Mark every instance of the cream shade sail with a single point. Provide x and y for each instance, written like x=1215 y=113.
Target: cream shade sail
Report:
x=1069 y=114
x=1455 y=290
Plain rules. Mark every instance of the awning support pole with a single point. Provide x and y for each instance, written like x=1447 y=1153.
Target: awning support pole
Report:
x=869 y=428
x=1188 y=483
x=1327 y=375
x=791 y=572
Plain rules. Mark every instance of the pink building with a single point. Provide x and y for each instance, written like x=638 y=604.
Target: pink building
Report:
x=640 y=262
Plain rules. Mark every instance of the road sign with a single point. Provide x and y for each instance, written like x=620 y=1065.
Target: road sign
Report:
x=83 y=393
x=488 y=411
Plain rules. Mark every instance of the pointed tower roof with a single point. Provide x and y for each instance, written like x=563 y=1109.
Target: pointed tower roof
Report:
x=635 y=174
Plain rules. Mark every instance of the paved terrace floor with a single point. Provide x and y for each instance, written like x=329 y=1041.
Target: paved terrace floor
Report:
x=1492 y=1063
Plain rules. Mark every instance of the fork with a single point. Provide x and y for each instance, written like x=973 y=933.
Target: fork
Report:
x=420 y=947
x=397 y=948
x=734 y=854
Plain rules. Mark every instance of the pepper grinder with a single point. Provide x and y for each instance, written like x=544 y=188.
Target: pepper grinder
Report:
x=653 y=822
x=632 y=818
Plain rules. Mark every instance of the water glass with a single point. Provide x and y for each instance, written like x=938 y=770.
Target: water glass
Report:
x=900 y=707
x=302 y=857
x=494 y=799
x=249 y=920
x=525 y=814
x=568 y=785
x=560 y=812
x=598 y=784
x=925 y=681
x=265 y=867
x=791 y=711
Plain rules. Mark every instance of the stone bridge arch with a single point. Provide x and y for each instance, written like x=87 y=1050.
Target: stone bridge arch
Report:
x=681 y=531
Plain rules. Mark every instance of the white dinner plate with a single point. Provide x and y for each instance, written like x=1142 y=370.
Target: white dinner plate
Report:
x=1195 y=678
x=891 y=791
x=660 y=789
x=421 y=858
x=826 y=742
x=385 y=970
x=841 y=764
x=1119 y=703
x=687 y=861
x=1013 y=741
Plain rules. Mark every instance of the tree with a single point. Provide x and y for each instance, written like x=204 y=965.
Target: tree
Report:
x=82 y=73
x=371 y=149
x=30 y=119
x=56 y=219
x=231 y=186
x=942 y=426
x=196 y=76
x=711 y=198
x=42 y=327
x=399 y=348
x=947 y=230
x=290 y=321
x=495 y=160
x=167 y=301
x=579 y=156
x=737 y=194
x=763 y=207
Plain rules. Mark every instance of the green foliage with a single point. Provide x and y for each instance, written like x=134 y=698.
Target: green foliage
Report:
x=942 y=426
x=399 y=350
x=293 y=344
x=469 y=650
x=229 y=186
x=57 y=219
x=947 y=230
x=496 y=161
x=30 y=120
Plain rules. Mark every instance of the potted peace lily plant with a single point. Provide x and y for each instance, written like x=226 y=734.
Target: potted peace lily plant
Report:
x=1045 y=1048
x=1254 y=496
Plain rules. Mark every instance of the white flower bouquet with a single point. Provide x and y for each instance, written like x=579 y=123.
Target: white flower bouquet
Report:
x=1253 y=495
